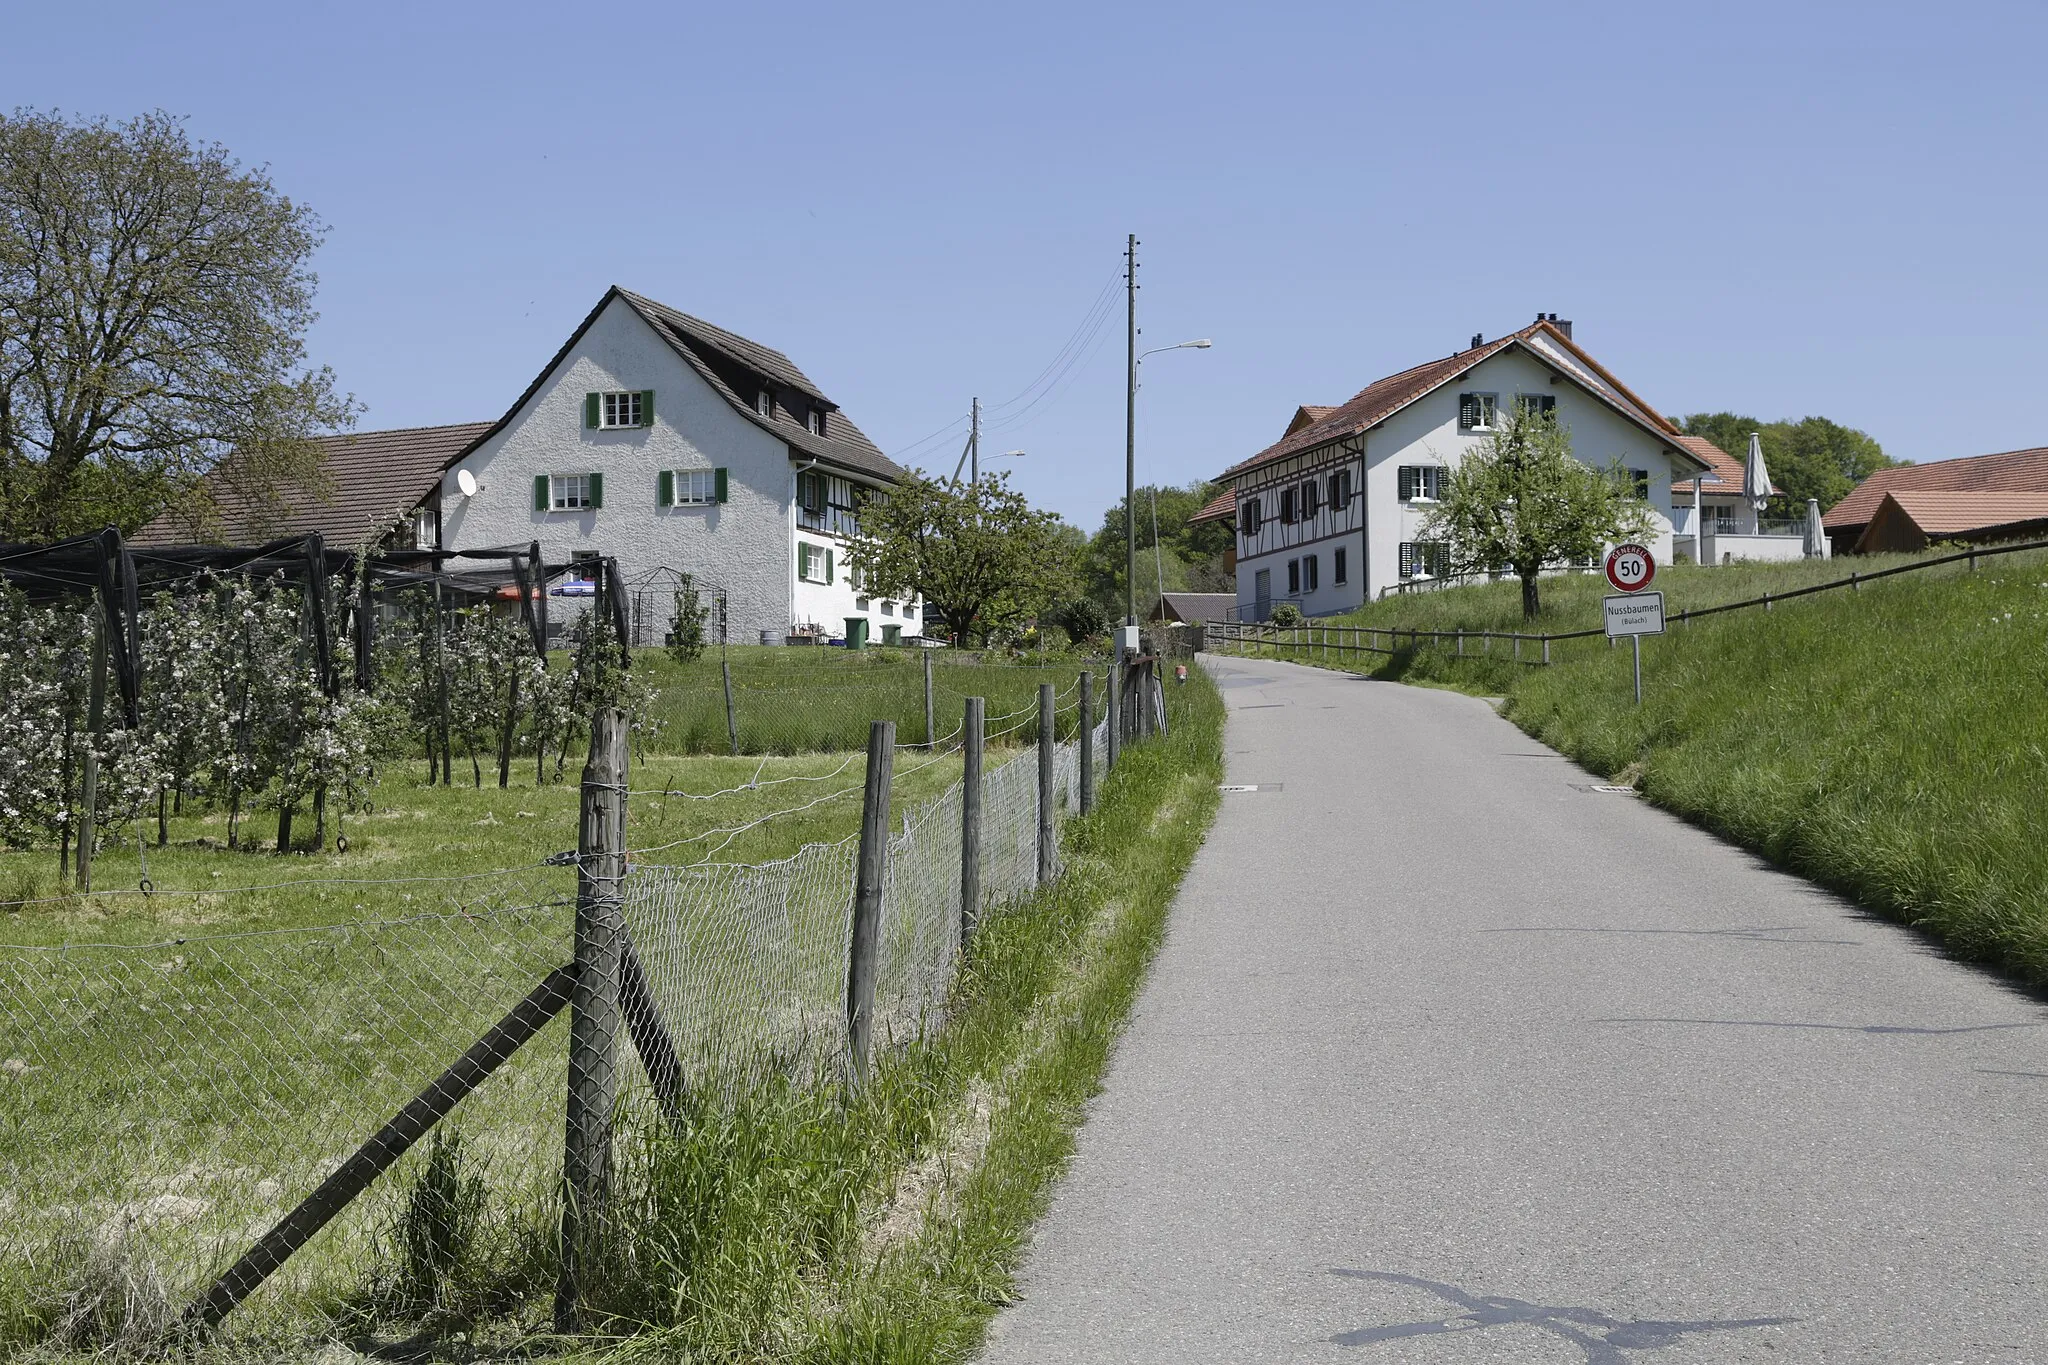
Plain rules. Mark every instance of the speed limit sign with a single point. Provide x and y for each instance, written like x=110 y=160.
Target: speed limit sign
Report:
x=1630 y=567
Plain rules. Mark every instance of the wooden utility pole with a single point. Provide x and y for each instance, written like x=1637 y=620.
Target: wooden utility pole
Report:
x=594 y=1023
x=867 y=896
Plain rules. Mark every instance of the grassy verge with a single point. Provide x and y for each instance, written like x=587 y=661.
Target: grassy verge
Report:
x=808 y=1223
x=1890 y=743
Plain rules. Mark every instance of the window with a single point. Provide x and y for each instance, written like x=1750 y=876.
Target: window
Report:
x=625 y=408
x=814 y=420
x=1294 y=578
x=689 y=487
x=764 y=401
x=1311 y=494
x=423 y=537
x=828 y=503
x=813 y=562
x=1420 y=482
x=888 y=608
x=1634 y=482
x=1423 y=557
x=1338 y=560
x=1476 y=411
x=1248 y=517
x=810 y=492
x=567 y=492
x=1289 y=502
x=1309 y=578
x=1543 y=404
x=1339 y=490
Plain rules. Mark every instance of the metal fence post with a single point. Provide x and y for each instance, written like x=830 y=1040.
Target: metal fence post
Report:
x=970 y=817
x=1046 y=744
x=931 y=738
x=867 y=895
x=594 y=1011
x=1087 y=741
x=89 y=777
x=732 y=729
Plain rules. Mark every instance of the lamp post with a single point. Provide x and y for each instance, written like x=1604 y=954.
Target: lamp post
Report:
x=1131 y=446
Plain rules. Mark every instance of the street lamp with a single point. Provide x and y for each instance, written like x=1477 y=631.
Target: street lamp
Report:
x=1131 y=467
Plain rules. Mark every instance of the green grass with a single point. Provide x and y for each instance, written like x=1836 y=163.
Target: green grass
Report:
x=1890 y=743
x=789 y=700
x=809 y=1223
x=193 y=1090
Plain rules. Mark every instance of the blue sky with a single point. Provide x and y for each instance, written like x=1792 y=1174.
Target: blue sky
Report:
x=1781 y=209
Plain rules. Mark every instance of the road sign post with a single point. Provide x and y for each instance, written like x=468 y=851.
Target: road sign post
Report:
x=1630 y=569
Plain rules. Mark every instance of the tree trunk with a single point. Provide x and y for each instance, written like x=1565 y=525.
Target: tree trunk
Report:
x=1529 y=603
x=320 y=818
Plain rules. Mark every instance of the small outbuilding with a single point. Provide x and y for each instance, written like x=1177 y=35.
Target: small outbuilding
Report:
x=1912 y=519
x=1194 y=608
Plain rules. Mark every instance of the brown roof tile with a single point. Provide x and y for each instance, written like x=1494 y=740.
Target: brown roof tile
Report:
x=2014 y=470
x=1223 y=505
x=372 y=476
x=1947 y=512
x=1726 y=466
x=1384 y=397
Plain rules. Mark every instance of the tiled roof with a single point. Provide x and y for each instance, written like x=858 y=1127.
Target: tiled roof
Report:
x=371 y=477
x=2015 y=470
x=1197 y=607
x=1306 y=414
x=1726 y=466
x=1383 y=398
x=1947 y=512
x=844 y=444
x=1223 y=505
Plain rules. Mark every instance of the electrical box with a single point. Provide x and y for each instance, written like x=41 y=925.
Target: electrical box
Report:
x=1127 y=639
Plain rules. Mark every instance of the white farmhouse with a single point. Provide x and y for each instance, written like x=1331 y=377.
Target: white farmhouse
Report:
x=1330 y=516
x=672 y=445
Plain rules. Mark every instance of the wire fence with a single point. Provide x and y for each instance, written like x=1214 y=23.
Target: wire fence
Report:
x=182 y=1122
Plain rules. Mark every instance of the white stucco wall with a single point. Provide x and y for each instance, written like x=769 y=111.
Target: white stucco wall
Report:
x=741 y=545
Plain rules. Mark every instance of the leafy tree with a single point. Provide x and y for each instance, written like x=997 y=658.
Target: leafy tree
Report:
x=1810 y=458
x=686 y=622
x=154 y=299
x=1082 y=618
x=1181 y=558
x=1522 y=501
x=980 y=555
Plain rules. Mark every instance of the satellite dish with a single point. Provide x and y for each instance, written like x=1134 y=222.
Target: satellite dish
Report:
x=466 y=481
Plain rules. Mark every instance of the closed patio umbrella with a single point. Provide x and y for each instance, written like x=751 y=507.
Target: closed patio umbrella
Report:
x=1816 y=537
x=1756 y=480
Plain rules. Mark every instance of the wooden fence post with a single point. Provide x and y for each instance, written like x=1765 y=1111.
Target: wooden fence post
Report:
x=593 y=1011
x=931 y=738
x=867 y=896
x=970 y=817
x=1087 y=741
x=732 y=729
x=1047 y=744
x=1546 y=650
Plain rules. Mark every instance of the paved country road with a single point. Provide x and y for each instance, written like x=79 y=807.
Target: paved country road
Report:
x=1448 y=1058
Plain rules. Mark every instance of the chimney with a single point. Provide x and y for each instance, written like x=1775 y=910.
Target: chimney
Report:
x=1561 y=324
x=1478 y=340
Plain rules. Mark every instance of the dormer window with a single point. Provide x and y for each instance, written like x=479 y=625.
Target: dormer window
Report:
x=764 y=401
x=815 y=420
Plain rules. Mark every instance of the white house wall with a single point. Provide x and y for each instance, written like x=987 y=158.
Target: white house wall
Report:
x=1426 y=433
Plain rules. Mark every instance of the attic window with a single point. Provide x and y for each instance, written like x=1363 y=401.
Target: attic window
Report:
x=815 y=420
x=764 y=401
x=1476 y=411
x=622 y=409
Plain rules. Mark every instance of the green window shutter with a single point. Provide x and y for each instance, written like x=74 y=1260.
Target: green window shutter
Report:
x=540 y=492
x=596 y=490
x=647 y=407
x=802 y=551
x=828 y=566
x=719 y=479
x=665 y=488
x=590 y=402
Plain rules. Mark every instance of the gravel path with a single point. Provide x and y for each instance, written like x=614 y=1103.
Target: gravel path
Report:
x=1451 y=1057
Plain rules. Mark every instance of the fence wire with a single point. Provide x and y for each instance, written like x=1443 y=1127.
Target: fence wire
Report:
x=162 y=1106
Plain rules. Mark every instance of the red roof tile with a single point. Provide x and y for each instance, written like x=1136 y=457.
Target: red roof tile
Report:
x=1725 y=465
x=2024 y=471
x=1384 y=397
x=1223 y=505
x=1947 y=512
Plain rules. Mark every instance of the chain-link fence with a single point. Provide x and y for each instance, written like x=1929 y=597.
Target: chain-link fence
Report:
x=323 y=1129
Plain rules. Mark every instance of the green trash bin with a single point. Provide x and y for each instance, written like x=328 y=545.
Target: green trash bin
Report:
x=892 y=635
x=856 y=632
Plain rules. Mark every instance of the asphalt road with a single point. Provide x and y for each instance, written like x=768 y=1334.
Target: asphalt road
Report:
x=1449 y=1057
